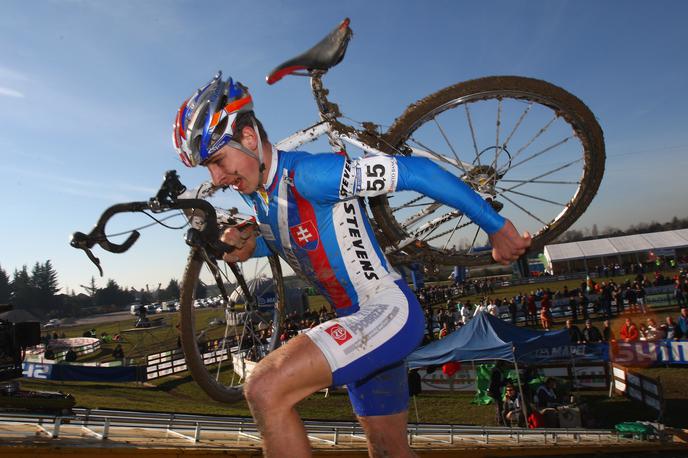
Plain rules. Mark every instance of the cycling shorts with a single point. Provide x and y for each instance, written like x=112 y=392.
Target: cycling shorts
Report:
x=366 y=349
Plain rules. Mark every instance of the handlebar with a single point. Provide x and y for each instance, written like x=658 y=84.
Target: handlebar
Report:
x=166 y=199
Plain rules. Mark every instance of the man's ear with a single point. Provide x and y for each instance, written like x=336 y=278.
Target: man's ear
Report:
x=248 y=138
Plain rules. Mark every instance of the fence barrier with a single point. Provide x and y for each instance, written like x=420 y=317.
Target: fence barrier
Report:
x=172 y=361
x=639 y=387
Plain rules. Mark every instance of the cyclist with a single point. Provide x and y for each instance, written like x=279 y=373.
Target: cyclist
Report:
x=309 y=213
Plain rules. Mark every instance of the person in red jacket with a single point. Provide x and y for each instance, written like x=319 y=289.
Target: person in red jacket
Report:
x=629 y=331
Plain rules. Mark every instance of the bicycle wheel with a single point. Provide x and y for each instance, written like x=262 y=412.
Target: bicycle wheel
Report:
x=211 y=366
x=485 y=131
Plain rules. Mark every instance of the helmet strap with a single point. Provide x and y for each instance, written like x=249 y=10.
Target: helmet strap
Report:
x=258 y=157
x=261 y=163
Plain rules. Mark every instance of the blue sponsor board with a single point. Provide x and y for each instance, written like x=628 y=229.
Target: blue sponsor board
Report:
x=37 y=370
x=587 y=352
x=639 y=353
x=68 y=372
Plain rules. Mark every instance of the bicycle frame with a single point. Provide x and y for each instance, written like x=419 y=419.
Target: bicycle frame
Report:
x=339 y=133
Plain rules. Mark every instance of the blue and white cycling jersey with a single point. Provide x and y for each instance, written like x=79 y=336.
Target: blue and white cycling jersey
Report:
x=311 y=216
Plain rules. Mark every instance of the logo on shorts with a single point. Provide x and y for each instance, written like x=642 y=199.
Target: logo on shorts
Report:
x=305 y=235
x=339 y=334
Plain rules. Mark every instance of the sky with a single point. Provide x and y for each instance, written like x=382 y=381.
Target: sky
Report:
x=89 y=90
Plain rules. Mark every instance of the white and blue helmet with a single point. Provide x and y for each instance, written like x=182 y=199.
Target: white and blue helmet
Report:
x=205 y=122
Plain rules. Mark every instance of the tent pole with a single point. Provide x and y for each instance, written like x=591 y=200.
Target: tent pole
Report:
x=524 y=402
x=575 y=376
x=415 y=406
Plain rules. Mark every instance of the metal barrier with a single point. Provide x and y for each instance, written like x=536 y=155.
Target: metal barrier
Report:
x=99 y=424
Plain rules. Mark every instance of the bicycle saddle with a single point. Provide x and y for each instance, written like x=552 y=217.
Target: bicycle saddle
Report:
x=323 y=56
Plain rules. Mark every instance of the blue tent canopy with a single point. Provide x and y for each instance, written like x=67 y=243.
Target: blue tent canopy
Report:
x=486 y=337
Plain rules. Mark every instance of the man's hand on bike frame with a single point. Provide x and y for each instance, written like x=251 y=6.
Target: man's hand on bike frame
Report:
x=508 y=245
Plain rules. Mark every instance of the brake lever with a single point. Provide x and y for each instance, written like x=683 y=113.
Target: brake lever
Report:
x=84 y=242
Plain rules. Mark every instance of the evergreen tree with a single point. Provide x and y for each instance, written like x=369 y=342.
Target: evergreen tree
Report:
x=5 y=290
x=171 y=292
x=112 y=294
x=49 y=279
x=23 y=293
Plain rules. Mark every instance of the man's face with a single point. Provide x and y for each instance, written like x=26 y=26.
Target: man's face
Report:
x=232 y=167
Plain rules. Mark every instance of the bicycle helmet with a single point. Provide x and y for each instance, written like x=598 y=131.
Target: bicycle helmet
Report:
x=205 y=122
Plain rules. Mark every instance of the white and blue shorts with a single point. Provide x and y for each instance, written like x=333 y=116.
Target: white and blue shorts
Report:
x=366 y=349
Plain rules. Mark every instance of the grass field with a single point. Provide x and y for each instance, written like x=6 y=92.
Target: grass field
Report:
x=179 y=393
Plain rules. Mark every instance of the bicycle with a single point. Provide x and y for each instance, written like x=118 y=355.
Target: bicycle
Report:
x=545 y=117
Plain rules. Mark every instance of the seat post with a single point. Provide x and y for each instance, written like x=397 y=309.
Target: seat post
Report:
x=329 y=111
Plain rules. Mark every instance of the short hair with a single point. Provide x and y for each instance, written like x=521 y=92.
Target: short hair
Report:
x=246 y=119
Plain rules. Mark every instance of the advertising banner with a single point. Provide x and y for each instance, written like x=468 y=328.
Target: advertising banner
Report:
x=579 y=352
x=69 y=372
x=650 y=353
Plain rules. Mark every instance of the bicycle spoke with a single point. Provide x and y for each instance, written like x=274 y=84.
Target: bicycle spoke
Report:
x=475 y=237
x=516 y=126
x=568 y=164
x=539 y=153
x=444 y=135
x=436 y=236
x=524 y=210
x=533 y=197
x=496 y=159
x=535 y=137
x=475 y=144
x=425 y=151
x=541 y=181
x=219 y=274
x=456 y=226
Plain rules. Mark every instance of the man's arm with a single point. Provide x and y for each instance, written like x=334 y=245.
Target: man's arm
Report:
x=424 y=176
x=331 y=178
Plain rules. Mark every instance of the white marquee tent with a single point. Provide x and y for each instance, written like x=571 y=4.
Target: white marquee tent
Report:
x=615 y=249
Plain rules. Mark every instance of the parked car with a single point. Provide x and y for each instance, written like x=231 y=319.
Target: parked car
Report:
x=53 y=323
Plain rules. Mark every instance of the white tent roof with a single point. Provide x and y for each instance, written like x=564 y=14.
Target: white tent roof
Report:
x=630 y=243
x=616 y=245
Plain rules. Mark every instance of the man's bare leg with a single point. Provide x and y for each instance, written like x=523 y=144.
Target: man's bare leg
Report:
x=386 y=435
x=277 y=384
